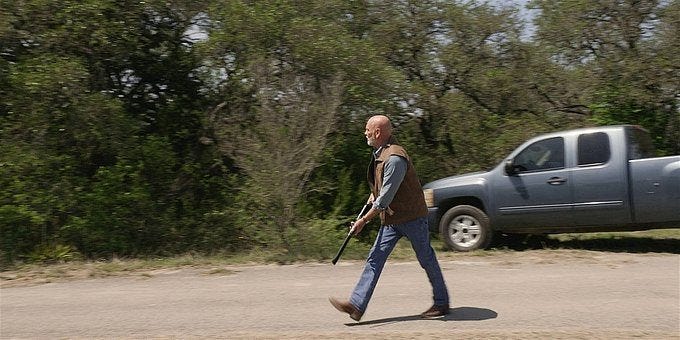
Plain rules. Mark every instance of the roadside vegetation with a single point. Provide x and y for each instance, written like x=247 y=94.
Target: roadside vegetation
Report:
x=231 y=129
x=550 y=248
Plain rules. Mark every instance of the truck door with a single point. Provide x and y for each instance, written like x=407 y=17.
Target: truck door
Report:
x=599 y=181
x=537 y=191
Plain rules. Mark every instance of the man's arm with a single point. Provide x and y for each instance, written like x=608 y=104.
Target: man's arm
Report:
x=393 y=174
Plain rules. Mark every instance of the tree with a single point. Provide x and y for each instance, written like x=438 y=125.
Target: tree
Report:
x=89 y=90
x=622 y=50
x=281 y=146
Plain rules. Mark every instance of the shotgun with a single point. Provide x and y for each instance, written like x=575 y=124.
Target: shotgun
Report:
x=351 y=231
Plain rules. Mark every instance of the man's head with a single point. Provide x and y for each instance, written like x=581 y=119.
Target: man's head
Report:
x=378 y=131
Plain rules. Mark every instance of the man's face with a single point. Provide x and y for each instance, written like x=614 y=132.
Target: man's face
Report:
x=371 y=134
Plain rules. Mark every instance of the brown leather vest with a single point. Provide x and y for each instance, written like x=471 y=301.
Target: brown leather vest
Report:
x=409 y=201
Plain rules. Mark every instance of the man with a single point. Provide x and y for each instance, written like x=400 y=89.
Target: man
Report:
x=397 y=196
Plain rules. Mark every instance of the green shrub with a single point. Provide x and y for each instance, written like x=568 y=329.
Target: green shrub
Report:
x=46 y=253
x=20 y=230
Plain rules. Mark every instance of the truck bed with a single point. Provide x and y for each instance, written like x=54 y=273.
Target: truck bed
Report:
x=655 y=189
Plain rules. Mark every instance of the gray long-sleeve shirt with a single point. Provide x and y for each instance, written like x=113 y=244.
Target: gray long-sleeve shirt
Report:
x=393 y=174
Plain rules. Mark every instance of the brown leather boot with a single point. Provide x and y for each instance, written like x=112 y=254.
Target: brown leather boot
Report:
x=435 y=311
x=346 y=307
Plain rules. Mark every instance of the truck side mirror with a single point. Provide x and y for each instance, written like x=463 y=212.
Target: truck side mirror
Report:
x=510 y=167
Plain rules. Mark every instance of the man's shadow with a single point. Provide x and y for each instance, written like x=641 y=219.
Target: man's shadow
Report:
x=455 y=314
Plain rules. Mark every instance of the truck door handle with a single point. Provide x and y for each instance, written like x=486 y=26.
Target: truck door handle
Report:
x=557 y=180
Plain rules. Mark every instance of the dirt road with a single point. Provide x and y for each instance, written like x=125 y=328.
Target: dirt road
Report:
x=533 y=294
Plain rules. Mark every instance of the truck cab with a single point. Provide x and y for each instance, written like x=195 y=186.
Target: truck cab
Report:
x=591 y=179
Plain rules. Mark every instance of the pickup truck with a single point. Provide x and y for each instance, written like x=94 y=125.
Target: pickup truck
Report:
x=584 y=180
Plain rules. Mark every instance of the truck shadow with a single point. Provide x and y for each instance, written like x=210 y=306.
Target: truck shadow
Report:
x=617 y=244
x=455 y=314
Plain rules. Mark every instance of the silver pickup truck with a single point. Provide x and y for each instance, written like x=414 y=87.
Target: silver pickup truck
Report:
x=585 y=180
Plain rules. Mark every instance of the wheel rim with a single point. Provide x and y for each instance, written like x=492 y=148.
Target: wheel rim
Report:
x=465 y=231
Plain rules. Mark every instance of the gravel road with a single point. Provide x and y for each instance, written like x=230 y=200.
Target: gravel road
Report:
x=516 y=295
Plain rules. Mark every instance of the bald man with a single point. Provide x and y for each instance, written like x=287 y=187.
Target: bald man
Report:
x=397 y=197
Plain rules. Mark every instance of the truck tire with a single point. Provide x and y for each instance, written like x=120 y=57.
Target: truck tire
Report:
x=465 y=228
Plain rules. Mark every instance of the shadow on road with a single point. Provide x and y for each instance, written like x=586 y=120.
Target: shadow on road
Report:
x=455 y=314
x=617 y=244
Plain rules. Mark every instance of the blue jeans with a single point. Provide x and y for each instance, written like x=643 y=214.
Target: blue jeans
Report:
x=417 y=232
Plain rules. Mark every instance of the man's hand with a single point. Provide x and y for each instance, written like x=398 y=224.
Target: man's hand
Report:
x=357 y=226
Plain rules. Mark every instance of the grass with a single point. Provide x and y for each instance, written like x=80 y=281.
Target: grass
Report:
x=651 y=241
x=36 y=273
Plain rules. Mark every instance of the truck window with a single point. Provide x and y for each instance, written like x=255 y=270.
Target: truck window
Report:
x=639 y=144
x=593 y=148
x=545 y=154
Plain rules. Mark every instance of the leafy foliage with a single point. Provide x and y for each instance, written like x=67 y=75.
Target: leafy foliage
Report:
x=131 y=128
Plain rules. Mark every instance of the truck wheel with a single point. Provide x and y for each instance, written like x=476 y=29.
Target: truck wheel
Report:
x=465 y=228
